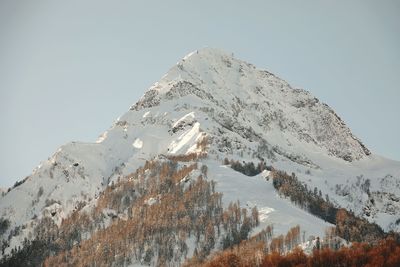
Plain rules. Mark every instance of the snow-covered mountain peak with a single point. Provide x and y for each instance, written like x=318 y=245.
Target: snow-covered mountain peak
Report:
x=207 y=54
x=241 y=97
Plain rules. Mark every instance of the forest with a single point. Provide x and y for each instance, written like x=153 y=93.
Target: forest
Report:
x=386 y=253
x=132 y=222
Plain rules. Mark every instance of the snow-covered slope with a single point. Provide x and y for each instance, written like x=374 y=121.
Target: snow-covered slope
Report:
x=259 y=191
x=246 y=114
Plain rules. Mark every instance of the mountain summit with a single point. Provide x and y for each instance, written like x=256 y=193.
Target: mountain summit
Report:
x=209 y=107
x=243 y=98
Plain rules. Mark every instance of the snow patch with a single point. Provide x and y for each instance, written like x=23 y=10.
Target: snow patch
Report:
x=102 y=137
x=189 y=55
x=146 y=114
x=151 y=201
x=265 y=174
x=184 y=139
x=263 y=213
x=138 y=143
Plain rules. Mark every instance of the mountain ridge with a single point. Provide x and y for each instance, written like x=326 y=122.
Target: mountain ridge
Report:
x=209 y=64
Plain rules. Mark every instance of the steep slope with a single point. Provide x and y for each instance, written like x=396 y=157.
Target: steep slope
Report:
x=253 y=103
x=244 y=113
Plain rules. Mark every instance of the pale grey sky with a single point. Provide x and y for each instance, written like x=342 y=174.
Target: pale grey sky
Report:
x=68 y=69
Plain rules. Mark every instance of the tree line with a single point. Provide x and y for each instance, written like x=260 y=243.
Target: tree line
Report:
x=348 y=226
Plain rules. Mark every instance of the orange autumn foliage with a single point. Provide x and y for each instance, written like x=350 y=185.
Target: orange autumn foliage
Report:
x=385 y=254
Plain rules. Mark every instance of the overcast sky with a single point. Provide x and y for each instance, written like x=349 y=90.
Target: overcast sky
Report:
x=68 y=69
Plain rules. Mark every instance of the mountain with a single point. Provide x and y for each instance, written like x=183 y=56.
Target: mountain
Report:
x=213 y=104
